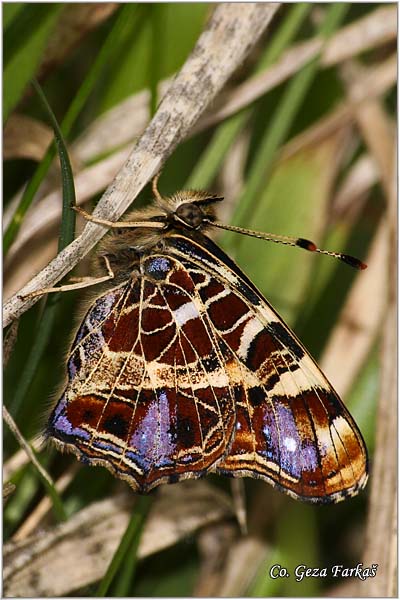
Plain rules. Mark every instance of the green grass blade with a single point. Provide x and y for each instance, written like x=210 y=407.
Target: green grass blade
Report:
x=127 y=13
x=285 y=34
x=24 y=42
x=67 y=232
x=129 y=541
x=210 y=162
x=72 y=114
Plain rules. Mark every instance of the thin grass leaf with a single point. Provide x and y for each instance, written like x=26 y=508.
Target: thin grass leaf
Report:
x=68 y=219
x=210 y=162
x=44 y=477
x=67 y=234
x=129 y=541
x=69 y=120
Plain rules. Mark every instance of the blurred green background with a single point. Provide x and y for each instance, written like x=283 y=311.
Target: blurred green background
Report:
x=280 y=182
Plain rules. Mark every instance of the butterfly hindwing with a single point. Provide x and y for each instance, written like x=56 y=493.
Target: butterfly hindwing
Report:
x=291 y=427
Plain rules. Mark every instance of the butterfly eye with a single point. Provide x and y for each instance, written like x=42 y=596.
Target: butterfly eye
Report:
x=190 y=214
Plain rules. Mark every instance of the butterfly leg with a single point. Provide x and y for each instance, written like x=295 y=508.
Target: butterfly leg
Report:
x=80 y=282
x=118 y=224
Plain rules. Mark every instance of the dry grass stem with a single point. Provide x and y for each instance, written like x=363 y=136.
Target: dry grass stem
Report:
x=124 y=122
x=360 y=319
x=213 y=544
x=362 y=176
x=295 y=58
x=118 y=126
x=375 y=126
x=232 y=174
x=9 y=342
x=20 y=459
x=239 y=503
x=244 y=560
x=381 y=539
x=79 y=560
x=24 y=444
x=231 y=33
x=37 y=515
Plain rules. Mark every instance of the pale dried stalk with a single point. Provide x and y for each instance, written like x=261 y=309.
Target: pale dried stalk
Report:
x=24 y=444
x=376 y=82
x=231 y=33
x=244 y=560
x=127 y=120
x=362 y=176
x=79 y=560
x=213 y=543
x=20 y=458
x=376 y=128
x=381 y=539
x=359 y=321
x=335 y=51
x=45 y=505
x=374 y=124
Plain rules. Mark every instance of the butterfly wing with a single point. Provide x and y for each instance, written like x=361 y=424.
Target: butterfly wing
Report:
x=148 y=395
x=291 y=427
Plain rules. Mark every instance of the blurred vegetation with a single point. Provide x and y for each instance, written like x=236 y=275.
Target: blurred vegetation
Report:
x=130 y=48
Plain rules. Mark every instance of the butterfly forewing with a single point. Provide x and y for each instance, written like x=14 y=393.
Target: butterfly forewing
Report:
x=149 y=395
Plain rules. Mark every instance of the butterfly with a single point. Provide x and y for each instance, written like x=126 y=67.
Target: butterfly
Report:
x=181 y=368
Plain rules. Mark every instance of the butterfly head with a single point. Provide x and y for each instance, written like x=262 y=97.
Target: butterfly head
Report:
x=190 y=209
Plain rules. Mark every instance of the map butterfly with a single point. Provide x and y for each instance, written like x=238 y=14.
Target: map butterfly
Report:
x=181 y=368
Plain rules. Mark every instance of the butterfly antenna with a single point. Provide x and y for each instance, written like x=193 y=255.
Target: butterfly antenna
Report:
x=290 y=241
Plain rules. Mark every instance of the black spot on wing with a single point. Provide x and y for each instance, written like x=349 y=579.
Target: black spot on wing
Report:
x=256 y=395
x=117 y=425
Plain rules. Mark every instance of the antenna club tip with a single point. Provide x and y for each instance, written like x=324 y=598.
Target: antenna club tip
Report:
x=306 y=244
x=353 y=262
